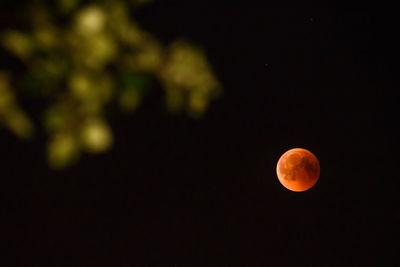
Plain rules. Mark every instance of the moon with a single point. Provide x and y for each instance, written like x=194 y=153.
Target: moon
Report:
x=298 y=169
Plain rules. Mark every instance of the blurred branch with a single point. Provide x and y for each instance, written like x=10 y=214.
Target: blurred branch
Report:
x=81 y=58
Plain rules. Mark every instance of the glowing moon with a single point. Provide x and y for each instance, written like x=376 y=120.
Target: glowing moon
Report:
x=298 y=169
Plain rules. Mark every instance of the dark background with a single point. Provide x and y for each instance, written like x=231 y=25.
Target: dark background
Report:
x=181 y=192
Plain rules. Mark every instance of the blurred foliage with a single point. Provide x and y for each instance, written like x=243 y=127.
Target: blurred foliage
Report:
x=82 y=58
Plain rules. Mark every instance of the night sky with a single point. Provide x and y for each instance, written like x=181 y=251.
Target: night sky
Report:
x=175 y=191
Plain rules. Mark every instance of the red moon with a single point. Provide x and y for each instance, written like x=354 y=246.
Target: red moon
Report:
x=298 y=169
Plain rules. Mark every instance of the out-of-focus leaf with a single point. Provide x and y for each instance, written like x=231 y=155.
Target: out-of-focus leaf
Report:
x=188 y=76
x=96 y=135
x=90 y=20
x=10 y=113
x=18 y=122
x=18 y=43
x=63 y=150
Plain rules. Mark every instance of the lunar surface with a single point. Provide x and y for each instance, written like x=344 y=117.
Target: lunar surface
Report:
x=298 y=169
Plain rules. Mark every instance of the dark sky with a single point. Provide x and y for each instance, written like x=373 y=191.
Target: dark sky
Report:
x=180 y=192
